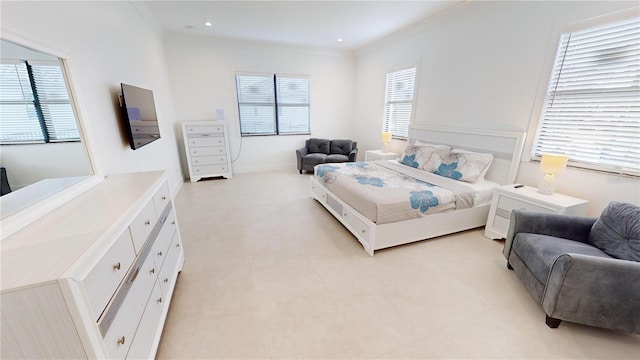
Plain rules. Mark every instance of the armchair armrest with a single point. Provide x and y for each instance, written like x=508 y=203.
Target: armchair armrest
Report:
x=563 y=226
x=299 y=154
x=353 y=155
x=592 y=290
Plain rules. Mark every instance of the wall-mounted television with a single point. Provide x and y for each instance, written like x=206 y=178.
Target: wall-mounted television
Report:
x=139 y=113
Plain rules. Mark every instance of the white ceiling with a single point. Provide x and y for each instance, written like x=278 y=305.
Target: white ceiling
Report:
x=309 y=23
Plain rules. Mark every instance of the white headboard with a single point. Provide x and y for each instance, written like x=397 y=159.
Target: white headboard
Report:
x=506 y=146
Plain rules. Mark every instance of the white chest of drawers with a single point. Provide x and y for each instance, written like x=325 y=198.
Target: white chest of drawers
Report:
x=507 y=198
x=94 y=277
x=207 y=149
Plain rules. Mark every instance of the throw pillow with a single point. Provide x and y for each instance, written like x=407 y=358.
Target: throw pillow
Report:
x=617 y=231
x=460 y=165
x=417 y=156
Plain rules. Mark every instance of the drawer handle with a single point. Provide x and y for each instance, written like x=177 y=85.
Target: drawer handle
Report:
x=173 y=222
x=177 y=245
x=164 y=198
x=116 y=266
x=205 y=134
x=159 y=300
x=166 y=280
x=363 y=231
x=160 y=253
x=148 y=222
x=121 y=341
x=152 y=271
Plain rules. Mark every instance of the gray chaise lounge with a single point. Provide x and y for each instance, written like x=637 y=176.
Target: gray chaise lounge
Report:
x=582 y=270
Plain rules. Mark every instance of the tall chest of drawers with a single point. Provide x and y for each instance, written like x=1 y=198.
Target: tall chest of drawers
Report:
x=94 y=277
x=207 y=149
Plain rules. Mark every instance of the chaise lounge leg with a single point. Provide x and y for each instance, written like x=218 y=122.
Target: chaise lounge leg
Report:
x=509 y=266
x=552 y=323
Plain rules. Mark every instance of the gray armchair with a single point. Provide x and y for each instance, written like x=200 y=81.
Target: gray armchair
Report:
x=322 y=151
x=582 y=270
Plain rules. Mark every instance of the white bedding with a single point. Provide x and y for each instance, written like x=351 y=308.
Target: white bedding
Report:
x=388 y=191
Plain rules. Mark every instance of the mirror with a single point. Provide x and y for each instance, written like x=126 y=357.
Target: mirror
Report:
x=62 y=153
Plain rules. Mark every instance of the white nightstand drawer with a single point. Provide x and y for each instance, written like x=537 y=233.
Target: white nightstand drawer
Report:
x=508 y=203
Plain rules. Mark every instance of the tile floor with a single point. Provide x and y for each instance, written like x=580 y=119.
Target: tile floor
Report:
x=269 y=273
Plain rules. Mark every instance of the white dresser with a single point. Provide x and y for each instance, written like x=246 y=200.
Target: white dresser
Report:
x=509 y=197
x=94 y=277
x=207 y=149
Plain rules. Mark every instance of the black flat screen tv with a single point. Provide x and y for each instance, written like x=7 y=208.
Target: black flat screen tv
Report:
x=139 y=113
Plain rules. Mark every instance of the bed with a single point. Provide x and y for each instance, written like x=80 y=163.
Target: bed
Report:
x=386 y=223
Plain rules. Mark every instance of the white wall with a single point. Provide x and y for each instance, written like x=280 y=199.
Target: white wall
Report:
x=202 y=72
x=105 y=43
x=485 y=65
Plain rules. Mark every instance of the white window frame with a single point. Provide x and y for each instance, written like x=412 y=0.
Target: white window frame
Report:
x=624 y=160
x=390 y=123
x=281 y=107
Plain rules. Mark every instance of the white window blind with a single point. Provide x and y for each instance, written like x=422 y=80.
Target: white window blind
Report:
x=273 y=104
x=399 y=102
x=293 y=98
x=592 y=108
x=256 y=104
x=54 y=101
x=34 y=104
x=18 y=117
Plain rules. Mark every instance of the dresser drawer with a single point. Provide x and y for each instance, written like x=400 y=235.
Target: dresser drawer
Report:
x=161 y=245
x=206 y=141
x=210 y=169
x=204 y=129
x=142 y=225
x=122 y=324
x=105 y=277
x=167 y=274
x=161 y=198
x=208 y=151
x=143 y=339
x=209 y=160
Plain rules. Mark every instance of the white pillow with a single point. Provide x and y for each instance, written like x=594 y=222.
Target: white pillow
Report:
x=417 y=156
x=460 y=165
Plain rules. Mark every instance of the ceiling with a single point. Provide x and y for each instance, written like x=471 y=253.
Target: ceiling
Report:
x=316 y=24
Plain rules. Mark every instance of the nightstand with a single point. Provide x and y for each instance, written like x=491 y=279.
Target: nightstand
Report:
x=373 y=155
x=507 y=198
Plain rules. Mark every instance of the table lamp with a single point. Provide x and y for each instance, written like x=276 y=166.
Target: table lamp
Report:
x=550 y=165
x=386 y=138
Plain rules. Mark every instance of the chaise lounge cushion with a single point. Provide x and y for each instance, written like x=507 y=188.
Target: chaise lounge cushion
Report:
x=617 y=231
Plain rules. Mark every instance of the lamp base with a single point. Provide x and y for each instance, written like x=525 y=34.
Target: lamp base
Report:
x=385 y=147
x=547 y=185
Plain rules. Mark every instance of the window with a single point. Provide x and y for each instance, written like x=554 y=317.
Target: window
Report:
x=273 y=104
x=398 y=107
x=35 y=104
x=592 y=106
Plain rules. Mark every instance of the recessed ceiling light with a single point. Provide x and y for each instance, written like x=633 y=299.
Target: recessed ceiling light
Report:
x=340 y=39
x=208 y=23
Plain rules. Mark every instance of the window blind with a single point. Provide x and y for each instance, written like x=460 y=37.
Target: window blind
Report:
x=592 y=107
x=273 y=104
x=399 y=102
x=54 y=101
x=256 y=104
x=18 y=117
x=293 y=98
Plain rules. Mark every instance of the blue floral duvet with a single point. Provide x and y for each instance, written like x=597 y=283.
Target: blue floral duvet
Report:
x=384 y=192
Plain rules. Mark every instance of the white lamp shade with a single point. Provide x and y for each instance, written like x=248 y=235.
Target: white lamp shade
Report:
x=553 y=164
x=386 y=137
